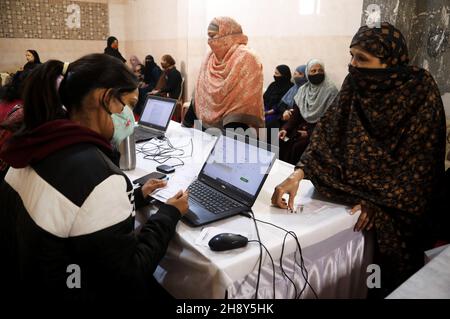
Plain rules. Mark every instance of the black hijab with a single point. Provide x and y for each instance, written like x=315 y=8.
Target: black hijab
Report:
x=279 y=87
x=383 y=138
x=31 y=65
x=381 y=144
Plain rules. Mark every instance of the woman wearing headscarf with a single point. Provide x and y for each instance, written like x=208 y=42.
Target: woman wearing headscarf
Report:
x=380 y=148
x=152 y=73
x=286 y=105
x=112 y=49
x=33 y=60
x=134 y=62
x=229 y=88
x=275 y=92
x=311 y=102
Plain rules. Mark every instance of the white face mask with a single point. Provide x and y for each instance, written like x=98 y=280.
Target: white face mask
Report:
x=123 y=125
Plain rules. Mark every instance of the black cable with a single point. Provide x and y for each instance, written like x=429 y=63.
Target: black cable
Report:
x=281 y=265
x=302 y=266
x=260 y=255
x=273 y=264
x=161 y=153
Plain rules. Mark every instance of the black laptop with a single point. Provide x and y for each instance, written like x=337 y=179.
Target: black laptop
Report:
x=155 y=118
x=230 y=180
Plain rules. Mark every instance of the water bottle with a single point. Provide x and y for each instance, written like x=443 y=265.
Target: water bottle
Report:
x=127 y=151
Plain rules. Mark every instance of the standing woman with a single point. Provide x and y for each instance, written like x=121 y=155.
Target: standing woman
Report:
x=229 y=89
x=66 y=202
x=33 y=60
x=112 y=49
x=311 y=102
x=380 y=148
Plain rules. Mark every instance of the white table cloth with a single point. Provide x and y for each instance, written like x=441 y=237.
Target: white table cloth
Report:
x=335 y=256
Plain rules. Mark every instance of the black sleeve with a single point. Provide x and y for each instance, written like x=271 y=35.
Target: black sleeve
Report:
x=190 y=117
x=139 y=200
x=173 y=84
x=123 y=262
x=120 y=57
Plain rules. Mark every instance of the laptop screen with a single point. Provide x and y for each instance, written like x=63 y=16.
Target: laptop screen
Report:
x=157 y=112
x=238 y=166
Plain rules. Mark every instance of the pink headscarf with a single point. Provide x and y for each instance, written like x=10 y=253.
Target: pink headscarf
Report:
x=134 y=64
x=230 y=83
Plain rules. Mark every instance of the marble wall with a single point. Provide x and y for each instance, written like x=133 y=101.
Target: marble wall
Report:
x=54 y=19
x=426 y=26
x=66 y=49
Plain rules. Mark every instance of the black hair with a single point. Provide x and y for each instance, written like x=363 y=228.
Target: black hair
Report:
x=13 y=90
x=43 y=101
x=37 y=60
x=110 y=40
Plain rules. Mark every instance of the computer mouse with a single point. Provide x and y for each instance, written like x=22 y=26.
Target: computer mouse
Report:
x=227 y=241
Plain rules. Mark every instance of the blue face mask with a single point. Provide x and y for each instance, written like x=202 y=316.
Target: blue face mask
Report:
x=123 y=125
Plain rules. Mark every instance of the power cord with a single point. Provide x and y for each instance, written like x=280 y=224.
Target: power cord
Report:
x=301 y=264
x=271 y=259
x=260 y=255
x=162 y=150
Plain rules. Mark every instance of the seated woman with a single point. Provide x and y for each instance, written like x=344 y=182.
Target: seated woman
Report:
x=169 y=84
x=274 y=94
x=228 y=93
x=11 y=111
x=134 y=62
x=380 y=148
x=152 y=73
x=64 y=200
x=33 y=60
x=139 y=72
x=311 y=102
x=285 y=107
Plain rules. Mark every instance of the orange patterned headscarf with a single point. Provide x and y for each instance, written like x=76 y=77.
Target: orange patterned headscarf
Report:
x=230 y=83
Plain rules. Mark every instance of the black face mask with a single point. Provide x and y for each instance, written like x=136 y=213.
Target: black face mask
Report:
x=374 y=73
x=377 y=79
x=277 y=78
x=316 y=79
x=300 y=80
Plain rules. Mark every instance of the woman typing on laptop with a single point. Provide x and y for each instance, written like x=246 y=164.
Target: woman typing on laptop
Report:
x=66 y=206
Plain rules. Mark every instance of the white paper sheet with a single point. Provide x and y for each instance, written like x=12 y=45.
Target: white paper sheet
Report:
x=179 y=181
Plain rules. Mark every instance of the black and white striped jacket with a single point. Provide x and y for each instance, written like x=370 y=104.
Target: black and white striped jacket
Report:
x=75 y=207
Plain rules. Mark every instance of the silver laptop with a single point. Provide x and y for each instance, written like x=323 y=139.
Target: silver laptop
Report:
x=155 y=118
x=230 y=179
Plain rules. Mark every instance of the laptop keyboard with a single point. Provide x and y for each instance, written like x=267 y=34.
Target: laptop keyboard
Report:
x=141 y=134
x=212 y=200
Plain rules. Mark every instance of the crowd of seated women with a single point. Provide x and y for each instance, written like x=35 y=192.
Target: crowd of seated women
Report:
x=376 y=144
